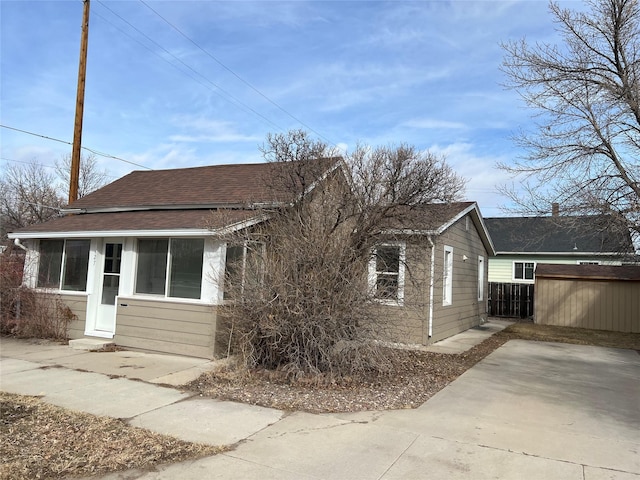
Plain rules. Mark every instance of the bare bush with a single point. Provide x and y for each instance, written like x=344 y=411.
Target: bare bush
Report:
x=299 y=298
x=25 y=312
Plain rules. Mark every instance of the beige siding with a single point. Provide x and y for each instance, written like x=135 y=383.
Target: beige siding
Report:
x=78 y=305
x=170 y=327
x=594 y=304
x=409 y=323
x=465 y=311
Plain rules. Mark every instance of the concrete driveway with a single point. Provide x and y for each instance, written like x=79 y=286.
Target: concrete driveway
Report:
x=530 y=410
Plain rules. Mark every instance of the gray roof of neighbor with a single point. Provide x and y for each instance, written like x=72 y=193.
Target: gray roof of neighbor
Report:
x=558 y=234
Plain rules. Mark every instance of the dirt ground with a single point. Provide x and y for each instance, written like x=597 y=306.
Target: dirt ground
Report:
x=38 y=440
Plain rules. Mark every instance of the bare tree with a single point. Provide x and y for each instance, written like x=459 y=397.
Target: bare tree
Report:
x=27 y=196
x=299 y=280
x=90 y=178
x=585 y=151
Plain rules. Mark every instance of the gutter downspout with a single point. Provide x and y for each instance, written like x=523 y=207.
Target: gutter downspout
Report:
x=431 y=284
x=16 y=242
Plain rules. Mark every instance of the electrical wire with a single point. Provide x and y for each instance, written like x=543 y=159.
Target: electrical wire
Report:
x=95 y=152
x=217 y=89
x=235 y=74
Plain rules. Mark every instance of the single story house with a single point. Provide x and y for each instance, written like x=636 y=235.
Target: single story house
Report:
x=139 y=260
x=524 y=242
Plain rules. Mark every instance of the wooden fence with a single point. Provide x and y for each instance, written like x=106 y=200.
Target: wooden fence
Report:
x=511 y=300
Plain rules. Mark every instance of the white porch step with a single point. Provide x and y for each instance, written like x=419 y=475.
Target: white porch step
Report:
x=90 y=343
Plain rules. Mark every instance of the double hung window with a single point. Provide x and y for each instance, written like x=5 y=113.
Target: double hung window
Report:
x=386 y=272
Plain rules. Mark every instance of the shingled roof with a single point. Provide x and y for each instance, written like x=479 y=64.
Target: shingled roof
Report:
x=199 y=187
x=183 y=199
x=559 y=234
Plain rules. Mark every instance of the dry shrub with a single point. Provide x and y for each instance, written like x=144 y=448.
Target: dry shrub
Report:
x=35 y=314
x=299 y=281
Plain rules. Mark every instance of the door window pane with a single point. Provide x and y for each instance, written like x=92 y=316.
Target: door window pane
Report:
x=110 y=284
x=152 y=266
x=76 y=265
x=50 y=263
x=186 y=267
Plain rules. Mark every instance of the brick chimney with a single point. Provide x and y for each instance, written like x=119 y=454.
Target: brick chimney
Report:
x=555 y=209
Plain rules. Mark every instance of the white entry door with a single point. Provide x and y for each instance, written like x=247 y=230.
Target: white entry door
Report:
x=109 y=286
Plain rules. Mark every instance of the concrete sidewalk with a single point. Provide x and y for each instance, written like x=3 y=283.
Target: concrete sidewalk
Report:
x=529 y=410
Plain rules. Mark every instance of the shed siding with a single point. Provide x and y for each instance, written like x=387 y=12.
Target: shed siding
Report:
x=594 y=304
x=171 y=327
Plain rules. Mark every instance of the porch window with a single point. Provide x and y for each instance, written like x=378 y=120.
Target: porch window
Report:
x=242 y=268
x=523 y=270
x=170 y=265
x=66 y=260
x=387 y=272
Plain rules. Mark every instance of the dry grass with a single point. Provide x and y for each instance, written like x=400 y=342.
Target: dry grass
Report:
x=38 y=440
x=414 y=377
x=579 y=336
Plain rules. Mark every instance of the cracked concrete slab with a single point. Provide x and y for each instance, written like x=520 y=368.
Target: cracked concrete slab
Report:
x=208 y=421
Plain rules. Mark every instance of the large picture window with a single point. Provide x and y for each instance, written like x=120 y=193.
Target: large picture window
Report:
x=63 y=264
x=386 y=273
x=170 y=267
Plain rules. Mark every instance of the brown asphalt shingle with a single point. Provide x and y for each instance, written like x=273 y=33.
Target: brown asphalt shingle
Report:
x=143 y=220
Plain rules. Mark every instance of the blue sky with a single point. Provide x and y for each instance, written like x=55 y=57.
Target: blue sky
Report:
x=186 y=83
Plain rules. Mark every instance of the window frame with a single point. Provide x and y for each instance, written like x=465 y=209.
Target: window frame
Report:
x=373 y=274
x=246 y=246
x=168 y=263
x=447 y=276
x=524 y=270
x=481 y=272
x=62 y=270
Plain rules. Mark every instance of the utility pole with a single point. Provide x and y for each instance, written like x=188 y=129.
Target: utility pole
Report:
x=77 y=131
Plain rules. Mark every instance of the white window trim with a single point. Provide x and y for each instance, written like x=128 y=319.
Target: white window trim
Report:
x=245 y=247
x=523 y=280
x=35 y=272
x=447 y=276
x=156 y=296
x=481 y=272
x=373 y=276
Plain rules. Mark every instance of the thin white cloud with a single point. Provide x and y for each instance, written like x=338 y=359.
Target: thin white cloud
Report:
x=433 y=124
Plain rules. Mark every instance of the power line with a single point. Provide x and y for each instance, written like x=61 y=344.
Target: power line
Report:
x=217 y=89
x=282 y=109
x=101 y=154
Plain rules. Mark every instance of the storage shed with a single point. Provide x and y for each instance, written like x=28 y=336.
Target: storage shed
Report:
x=600 y=297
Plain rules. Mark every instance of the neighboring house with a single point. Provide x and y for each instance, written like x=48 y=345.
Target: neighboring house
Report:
x=524 y=242
x=139 y=260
